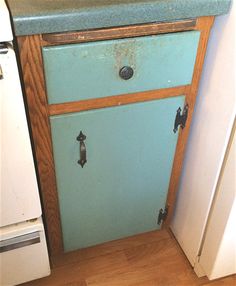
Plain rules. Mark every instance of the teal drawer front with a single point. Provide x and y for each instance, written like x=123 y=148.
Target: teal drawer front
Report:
x=119 y=191
x=91 y=70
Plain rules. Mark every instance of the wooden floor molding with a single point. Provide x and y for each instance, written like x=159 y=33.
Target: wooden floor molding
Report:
x=150 y=259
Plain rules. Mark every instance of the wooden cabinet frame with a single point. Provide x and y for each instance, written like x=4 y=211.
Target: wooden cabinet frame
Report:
x=40 y=110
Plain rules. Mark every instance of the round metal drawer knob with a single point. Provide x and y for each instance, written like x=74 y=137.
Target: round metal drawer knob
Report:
x=126 y=72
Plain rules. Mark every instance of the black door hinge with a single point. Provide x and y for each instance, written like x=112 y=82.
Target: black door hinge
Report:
x=162 y=215
x=181 y=119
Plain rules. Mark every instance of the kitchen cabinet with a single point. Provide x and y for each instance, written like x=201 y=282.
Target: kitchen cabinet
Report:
x=128 y=90
x=130 y=149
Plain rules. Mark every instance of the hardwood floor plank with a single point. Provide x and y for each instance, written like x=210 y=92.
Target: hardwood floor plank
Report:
x=150 y=259
x=83 y=283
x=229 y=281
x=150 y=264
x=109 y=247
x=61 y=277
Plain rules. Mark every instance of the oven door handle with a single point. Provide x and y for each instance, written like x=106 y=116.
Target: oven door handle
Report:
x=19 y=241
x=4 y=48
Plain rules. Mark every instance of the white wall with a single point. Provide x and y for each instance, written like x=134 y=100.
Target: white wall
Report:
x=212 y=123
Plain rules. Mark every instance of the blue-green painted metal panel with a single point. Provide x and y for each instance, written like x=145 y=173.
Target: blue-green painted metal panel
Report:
x=119 y=191
x=91 y=70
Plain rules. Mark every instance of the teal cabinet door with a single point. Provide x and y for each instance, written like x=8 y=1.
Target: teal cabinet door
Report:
x=124 y=183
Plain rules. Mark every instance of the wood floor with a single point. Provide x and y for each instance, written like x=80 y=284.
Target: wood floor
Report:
x=151 y=259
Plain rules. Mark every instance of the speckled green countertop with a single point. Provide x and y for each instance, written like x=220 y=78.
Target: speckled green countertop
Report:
x=48 y=16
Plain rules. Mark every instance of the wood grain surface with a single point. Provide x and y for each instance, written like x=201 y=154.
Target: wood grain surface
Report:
x=150 y=259
x=32 y=67
x=117 y=100
x=204 y=25
x=118 y=32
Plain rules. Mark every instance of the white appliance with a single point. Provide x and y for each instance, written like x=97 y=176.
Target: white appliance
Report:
x=205 y=215
x=23 y=250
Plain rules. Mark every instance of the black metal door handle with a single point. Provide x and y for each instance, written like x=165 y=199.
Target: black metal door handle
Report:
x=81 y=137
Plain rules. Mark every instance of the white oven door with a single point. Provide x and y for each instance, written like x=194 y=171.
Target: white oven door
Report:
x=23 y=253
x=19 y=197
